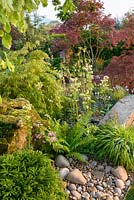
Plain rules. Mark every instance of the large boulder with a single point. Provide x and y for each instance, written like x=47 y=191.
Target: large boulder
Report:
x=17 y=118
x=122 y=112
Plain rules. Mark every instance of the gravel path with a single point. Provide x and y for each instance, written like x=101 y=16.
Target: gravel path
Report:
x=93 y=180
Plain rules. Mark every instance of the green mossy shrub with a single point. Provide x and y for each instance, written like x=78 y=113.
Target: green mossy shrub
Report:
x=29 y=175
x=33 y=80
x=116 y=143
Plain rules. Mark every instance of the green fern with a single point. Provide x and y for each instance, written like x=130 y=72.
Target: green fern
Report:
x=80 y=137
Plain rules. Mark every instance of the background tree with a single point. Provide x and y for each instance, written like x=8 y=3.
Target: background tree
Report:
x=87 y=27
x=13 y=12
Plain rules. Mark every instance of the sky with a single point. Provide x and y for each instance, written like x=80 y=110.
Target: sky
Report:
x=115 y=7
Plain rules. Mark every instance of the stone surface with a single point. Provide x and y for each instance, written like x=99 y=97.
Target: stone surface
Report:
x=98 y=174
x=86 y=195
x=104 y=184
x=120 y=173
x=93 y=164
x=84 y=157
x=116 y=198
x=17 y=119
x=119 y=183
x=61 y=161
x=63 y=172
x=108 y=169
x=99 y=188
x=122 y=112
x=76 y=177
x=72 y=187
x=109 y=198
x=97 y=184
x=76 y=194
x=128 y=183
x=118 y=191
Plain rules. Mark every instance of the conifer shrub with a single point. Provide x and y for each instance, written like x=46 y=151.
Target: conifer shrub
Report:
x=29 y=175
x=33 y=80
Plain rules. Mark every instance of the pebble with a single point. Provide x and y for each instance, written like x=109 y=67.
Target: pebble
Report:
x=98 y=195
x=67 y=191
x=119 y=183
x=104 y=184
x=86 y=195
x=94 y=180
x=100 y=167
x=128 y=182
x=93 y=194
x=89 y=175
x=118 y=191
x=72 y=187
x=99 y=188
x=109 y=198
x=61 y=161
x=93 y=164
x=108 y=169
x=76 y=194
x=79 y=189
x=63 y=172
x=116 y=198
x=90 y=184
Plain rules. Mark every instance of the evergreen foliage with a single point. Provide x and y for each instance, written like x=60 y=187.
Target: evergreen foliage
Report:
x=32 y=79
x=29 y=175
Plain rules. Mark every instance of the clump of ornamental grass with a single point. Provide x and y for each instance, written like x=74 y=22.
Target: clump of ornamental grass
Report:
x=116 y=143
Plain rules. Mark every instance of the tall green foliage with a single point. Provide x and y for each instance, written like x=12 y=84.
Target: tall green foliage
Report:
x=116 y=143
x=32 y=79
x=13 y=12
x=79 y=89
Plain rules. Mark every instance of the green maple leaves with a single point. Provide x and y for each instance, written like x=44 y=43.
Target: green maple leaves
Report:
x=13 y=12
x=68 y=5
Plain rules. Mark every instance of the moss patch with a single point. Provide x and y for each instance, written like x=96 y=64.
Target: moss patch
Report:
x=17 y=118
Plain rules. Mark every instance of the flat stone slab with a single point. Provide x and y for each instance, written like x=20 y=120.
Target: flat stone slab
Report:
x=98 y=174
x=122 y=112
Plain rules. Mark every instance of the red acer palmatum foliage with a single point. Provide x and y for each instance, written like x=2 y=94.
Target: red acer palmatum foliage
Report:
x=125 y=33
x=88 y=26
x=121 y=70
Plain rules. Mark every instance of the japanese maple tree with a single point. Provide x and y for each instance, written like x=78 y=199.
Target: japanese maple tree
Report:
x=88 y=26
x=125 y=33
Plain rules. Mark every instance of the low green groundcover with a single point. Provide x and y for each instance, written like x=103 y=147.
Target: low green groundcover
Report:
x=130 y=194
x=29 y=175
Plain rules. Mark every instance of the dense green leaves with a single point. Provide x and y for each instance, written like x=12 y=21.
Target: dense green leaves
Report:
x=68 y=5
x=13 y=12
x=116 y=143
x=7 y=40
x=33 y=79
x=29 y=175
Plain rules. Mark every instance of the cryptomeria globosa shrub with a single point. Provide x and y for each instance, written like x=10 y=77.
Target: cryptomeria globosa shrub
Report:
x=29 y=175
